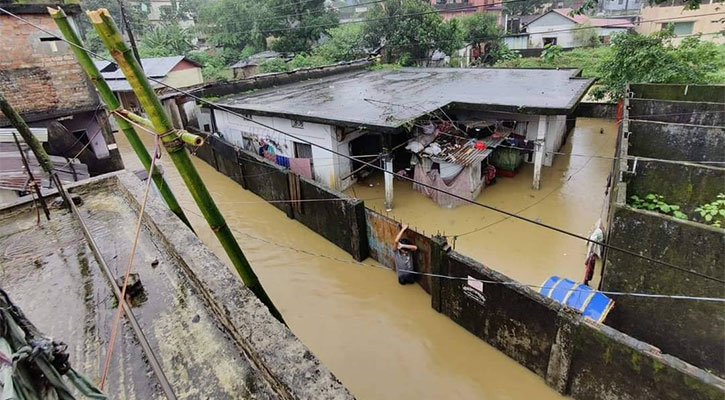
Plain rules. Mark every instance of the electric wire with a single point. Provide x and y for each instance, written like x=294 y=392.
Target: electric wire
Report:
x=453 y=123
x=466 y=278
x=302 y=140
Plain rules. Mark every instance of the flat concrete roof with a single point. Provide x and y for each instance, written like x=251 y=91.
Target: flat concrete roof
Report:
x=359 y=98
x=213 y=337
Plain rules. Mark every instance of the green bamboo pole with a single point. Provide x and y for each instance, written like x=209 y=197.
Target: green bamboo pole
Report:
x=113 y=104
x=173 y=143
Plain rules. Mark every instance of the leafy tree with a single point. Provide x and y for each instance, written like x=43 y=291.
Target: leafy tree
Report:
x=235 y=24
x=309 y=61
x=166 y=40
x=482 y=31
x=273 y=65
x=181 y=10
x=345 y=42
x=298 y=25
x=584 y=35
x=551 y=53
x=136 y=14
x=526 y=7
x=410 y=30
x=653 y=58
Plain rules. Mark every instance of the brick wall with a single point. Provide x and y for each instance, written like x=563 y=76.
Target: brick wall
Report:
x=40 y=77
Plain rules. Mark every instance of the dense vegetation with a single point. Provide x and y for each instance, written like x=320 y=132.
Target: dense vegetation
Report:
x=310 y=31
x=638 y=58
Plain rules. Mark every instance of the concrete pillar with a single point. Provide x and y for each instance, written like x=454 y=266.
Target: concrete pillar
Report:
x=388 y=158
x=173 y=110
x=539 y=150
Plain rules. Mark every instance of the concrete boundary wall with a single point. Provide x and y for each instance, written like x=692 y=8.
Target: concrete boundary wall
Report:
x=345 y=223
x=596 y=110
x=680 y=142
x=678 y=92
x=691 y=245
x=575 y=356
x=281 y=78
x=679 y=112
x=686 y=185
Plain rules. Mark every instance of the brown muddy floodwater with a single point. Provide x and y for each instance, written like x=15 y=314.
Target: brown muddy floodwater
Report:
x=571 y=197
x=383 y=340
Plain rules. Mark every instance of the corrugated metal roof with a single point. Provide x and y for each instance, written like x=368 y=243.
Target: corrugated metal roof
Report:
x=14 y=177
x=6 y=134
x=154 y=67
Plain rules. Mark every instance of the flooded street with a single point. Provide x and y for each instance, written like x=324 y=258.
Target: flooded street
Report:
x=383 y=340
x=571 y=198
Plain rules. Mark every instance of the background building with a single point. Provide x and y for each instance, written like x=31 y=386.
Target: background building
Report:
x=41 y=79
x=557 y=27
x=685 y=22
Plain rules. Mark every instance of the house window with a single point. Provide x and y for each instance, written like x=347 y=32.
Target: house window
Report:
x=549 y=40
x=681 y=28
x=303 y=150
x=81 y=136
x=298 y=124
x=52 y=43
x=248 y=145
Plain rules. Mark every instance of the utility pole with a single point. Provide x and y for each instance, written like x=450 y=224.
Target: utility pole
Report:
x=129 y=32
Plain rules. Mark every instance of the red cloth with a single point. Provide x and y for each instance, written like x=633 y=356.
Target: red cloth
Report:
x=589 y=270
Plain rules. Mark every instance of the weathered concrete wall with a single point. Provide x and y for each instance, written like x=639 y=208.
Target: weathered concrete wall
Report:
x=596 y=110
x=679 y=92
x=281 y=78
x=686 y=185
x=575 y=356
x=691 y=330
x=540 y=334
x=511 y=318
x=267 y=180
x=340 y=221
x=606 y=364
x=679 y=112
x=676 y=141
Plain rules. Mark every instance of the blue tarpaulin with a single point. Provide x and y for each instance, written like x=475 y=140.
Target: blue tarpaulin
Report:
x=591 y=303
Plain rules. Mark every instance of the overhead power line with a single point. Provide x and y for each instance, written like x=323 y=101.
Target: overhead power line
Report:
x=302 y=140
x=465 y=278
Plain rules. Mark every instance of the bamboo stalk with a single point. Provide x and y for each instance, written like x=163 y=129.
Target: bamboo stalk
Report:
x=113 y=104
x=174 y=145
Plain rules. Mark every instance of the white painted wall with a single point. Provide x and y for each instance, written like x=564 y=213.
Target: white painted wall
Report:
x=551 y=25
x=555 y=130
x=328 y=168
x=562 y=28
x=518 y=42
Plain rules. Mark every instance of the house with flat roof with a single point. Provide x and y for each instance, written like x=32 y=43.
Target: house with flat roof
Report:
x=444 y=122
